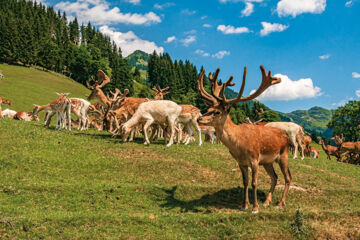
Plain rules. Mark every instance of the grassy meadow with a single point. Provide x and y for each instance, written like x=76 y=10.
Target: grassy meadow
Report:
x=87 y=185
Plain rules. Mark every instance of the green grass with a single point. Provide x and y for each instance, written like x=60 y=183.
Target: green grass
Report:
x=77 y=185
x=86 y=185
x=27 y=86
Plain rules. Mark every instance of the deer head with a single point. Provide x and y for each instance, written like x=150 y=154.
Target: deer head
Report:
x=160 y=93
x=219 y=105
x=96 y=91
x=338 y=139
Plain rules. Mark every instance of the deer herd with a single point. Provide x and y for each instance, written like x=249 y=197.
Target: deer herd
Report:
x=252 y=144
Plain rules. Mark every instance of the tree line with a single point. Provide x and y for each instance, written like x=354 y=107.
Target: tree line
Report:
x=35 y=35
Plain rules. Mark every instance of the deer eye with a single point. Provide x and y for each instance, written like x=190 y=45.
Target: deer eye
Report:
x=217 y=113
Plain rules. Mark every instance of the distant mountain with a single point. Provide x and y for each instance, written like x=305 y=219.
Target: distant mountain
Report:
x=313 y=120
x=138 y=59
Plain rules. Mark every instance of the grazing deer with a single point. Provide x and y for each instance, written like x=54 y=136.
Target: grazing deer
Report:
x=209 y=131
x=330 y=150
x=307 y=142
x=189 y=116
x=249 y=144
x=294 y=132
x=61 y=106
x=154 y=112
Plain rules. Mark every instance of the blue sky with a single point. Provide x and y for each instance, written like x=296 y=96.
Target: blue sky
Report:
x=314 y=45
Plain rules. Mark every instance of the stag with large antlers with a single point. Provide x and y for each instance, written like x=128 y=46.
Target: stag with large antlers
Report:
x=96 y=92
x=160 y=93
x=249 y=144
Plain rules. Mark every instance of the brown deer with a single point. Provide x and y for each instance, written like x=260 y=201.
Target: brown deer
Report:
x=160 y=93
x=96 y=92
x=330 y=150
x=251 y=145
x=353 y=147
x=307 y=142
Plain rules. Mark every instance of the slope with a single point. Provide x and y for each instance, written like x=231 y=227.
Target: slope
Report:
x=26 y=86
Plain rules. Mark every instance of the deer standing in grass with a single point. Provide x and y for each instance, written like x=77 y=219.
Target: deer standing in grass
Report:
x=249 y=144
x=330 y=150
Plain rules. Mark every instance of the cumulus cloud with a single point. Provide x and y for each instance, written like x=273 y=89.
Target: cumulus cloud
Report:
x=203 y=17
x=326 y=56
x=220 y=54
x=343 y=102
x=232 y=30
x=99 y=13
x=135 y=2
x=248 y=10
x=202 y=53
x=290 y=90
x=129 y=42
x=163 y=6
x=272 y=27
x=355 y=75
x=189 y=39
x=170 y=39
x=297 y=7
x=349 y=3
x=206 y=25
x=235 y=1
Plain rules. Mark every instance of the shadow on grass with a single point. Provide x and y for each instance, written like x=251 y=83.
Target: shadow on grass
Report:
x=225 y=198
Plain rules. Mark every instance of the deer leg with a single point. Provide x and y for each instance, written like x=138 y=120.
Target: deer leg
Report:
x=189 y=132
x=255 y=171
x=197 y=129
x=146 y=128
x=293 y=141
x=48 y=118
x=171 y=124
x=271 y=172
x=245 y=177
x=284 y=166
x=299 y=142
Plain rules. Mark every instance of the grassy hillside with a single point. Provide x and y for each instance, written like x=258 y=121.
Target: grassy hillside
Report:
x=313 y=120
x=26 y=86
x=139 y=59
x=56 y=184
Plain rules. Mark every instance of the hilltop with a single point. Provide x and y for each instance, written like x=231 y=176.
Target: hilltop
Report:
x=313 y=120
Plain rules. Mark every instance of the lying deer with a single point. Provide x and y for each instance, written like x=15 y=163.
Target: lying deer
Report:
x=251 y=145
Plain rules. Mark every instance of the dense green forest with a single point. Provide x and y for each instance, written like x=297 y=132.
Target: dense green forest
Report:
x=35 y=35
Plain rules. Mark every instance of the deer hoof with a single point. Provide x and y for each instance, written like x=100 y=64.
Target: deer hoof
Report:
x=255 y=211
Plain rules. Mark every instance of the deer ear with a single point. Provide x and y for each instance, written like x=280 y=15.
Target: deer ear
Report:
x=36 y=105
x=66 y=94
x=57 y=93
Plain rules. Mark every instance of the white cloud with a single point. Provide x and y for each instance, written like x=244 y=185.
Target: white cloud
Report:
x=202 y=53
x=349 y=3
x=135 y=2
x=272 y=27
x=206 y=25
x=99 y=13
x=189 y=39
x=188 y=12
x=220 y=54
x=163 y=6
x=357 y=92
x=343 y=102
x=248 y=10
x=297 y=7
x=203 y=17
x=355 y=75
x=129 y=42
x=326 y=56
x=232 y=30
x=290 y=90
x=170 y=39
x=193 y=31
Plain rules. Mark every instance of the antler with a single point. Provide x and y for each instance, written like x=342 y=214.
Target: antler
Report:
x=155 y=89
x=218 y=92
x=203 y=93
x=122 y=97
x=103 y=78
x=117 y=92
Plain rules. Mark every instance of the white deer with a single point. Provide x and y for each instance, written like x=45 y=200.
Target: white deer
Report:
x=154 y=112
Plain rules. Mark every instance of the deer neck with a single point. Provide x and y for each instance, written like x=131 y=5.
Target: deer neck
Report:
x=45 y=107
x=225 y=131
x=103 y=99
